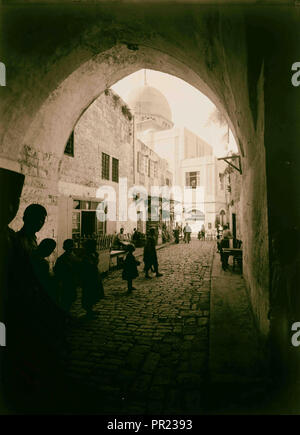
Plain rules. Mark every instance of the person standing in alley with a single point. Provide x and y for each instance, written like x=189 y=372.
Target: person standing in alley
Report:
x=176 y=234
x=34 y=218
x=67 y=275
x=91 y=282
x=150 y=255
x=44 y=279
x=42 y=328
x=130 y=271
x=11 y=356
x=187 y=233
x=226 y=236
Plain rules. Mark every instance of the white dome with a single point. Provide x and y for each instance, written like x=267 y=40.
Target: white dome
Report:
x=149 y=101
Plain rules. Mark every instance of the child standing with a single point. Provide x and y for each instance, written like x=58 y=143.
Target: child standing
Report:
x=91 y=282
x=130 y=271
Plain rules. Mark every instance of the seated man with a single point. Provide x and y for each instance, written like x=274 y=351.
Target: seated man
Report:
x=226 y=236
x=118 y=242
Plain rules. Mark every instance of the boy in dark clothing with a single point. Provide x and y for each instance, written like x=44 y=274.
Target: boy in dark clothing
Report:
x=11 y=310
x=130 y=271
x=41 y=267
x=66 y=273
x=92 y=287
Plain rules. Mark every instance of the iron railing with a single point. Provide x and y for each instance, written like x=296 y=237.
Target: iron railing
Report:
x=104 y=241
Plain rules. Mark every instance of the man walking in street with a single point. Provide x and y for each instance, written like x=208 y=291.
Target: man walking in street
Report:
x=187 y=233
x=150 y=255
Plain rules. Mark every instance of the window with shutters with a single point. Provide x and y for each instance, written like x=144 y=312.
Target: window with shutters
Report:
x=151 y=169
x=115 y=170
x=140 y=162
x=146 y=165
x=105 y=166
x=192 y=179
x=155 y=170
x=221 y=176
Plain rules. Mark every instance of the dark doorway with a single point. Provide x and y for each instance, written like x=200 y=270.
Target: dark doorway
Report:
x=88 y=226
x=234 y=225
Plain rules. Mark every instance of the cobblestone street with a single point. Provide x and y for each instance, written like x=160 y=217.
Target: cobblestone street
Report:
x=147 y=352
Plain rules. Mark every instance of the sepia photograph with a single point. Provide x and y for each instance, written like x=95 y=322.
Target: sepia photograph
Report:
x=149 y=210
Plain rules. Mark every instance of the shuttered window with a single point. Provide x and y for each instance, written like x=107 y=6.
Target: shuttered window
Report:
x=115 y=170
x=105 y=166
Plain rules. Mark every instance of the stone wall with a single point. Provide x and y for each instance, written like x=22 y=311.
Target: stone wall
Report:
x=103 y=128
x=40 y=186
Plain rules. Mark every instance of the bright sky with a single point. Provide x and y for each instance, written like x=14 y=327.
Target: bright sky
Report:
x=190 y=108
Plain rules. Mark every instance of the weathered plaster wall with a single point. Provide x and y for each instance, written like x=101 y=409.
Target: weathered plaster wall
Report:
x=282 y=132
x=102 y=128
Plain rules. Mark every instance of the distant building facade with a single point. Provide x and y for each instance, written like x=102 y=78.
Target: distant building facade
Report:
x=153 y=171
x=191 y=160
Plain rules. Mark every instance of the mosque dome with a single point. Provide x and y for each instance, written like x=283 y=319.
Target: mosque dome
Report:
x=149 y=101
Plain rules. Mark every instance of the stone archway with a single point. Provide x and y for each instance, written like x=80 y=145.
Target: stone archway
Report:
x=52 y=77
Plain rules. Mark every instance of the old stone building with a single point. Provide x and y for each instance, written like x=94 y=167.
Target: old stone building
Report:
x=99 y=153
x=191 y=160
x=103 y=161
x=152 y=173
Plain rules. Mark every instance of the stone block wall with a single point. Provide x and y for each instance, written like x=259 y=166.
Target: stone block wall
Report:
x=102 y=128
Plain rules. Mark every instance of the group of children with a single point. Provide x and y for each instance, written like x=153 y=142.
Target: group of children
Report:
x=72 y=271
x=69 y=272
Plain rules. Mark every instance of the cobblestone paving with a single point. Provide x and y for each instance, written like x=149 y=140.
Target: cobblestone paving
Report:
x=147 y=352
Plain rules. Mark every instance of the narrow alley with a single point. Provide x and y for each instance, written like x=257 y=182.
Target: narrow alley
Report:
x=148 y=353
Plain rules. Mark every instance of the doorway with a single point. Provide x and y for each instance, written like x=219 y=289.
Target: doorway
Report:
x=234 y=226
x=88 y=225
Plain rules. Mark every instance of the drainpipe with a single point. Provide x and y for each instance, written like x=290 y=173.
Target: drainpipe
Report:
x=133 y=143
x=133 y=139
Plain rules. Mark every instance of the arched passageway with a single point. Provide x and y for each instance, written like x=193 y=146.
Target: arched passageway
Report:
x=53 y=76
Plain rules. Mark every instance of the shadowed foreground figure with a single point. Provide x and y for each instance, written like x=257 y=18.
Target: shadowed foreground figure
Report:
x=130 y=271
x=34 y=218
x=11 y=185
x=67 y=275
x=42 y=268
x=91 y=282
x=35 y=323
x=150 y=256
